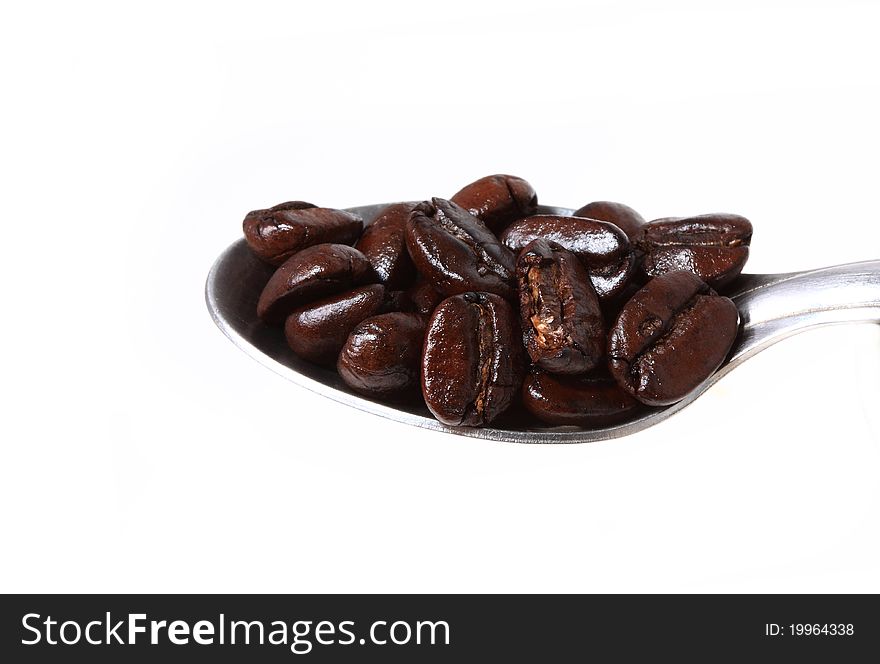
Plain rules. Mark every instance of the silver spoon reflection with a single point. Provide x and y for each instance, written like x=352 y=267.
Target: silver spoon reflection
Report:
x=772 y=307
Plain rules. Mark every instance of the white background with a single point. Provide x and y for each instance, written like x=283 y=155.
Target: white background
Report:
x=141 y=451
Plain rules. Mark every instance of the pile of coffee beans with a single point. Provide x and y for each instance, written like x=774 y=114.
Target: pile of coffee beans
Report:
x=479 y=305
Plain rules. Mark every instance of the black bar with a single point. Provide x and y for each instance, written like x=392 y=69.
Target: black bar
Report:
x=514 y=627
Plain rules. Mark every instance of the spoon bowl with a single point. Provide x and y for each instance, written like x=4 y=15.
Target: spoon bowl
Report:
x=771 y=307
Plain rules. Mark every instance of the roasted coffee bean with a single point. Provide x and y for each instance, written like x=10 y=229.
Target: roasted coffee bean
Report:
x=714 y=247
x=310 y=274
x=497 y=200
x=603 y=247
x=422 y=298
x=670 y=337
x=384 y=245
x=622 y=216
x=472 y=364
x=562 y=324
x=279 y=232
x=317 y=331
x=382 y=355
x=456 y=252
x=586 y=401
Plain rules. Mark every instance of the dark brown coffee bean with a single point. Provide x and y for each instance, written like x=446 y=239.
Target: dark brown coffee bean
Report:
x=472 y=364
x=317 y=331
x=670 y=337
x=562 y=324
x=622 y=216
x=603 y=247
x=277 y=233
x=586 y=401
x=714 y=247
x=310 y=274
x=497 y=200
x=382 y=355
x=422 y=298
x=384 y=245
x=455 y=251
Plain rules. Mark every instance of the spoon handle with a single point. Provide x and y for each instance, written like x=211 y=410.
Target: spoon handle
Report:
x=776 y=306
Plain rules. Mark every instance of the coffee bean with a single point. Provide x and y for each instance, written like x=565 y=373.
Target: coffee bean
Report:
x=714 y=247
x=472 y=365
x=562 y=325
x=382 y=355
x=497 y=200
x=275 y=234
x=317 y=331
x=622 y=216
x=602 y=247
x=670 y=337
x=542 y=291
x=310 y=274
x=456 y=252
x=589 y=401
x=384 y=245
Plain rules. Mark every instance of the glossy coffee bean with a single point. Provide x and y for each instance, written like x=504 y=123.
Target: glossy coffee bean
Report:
x=586 y=401
x=382 y=355
x=455 y=251
x=472 y=364
x=312 y=273
x=562 y=325
x=277 y=233
x=622 y=216
x=602 y=247
x=498 y=200
x=318 y=331
x=670 y=337
x=714 y=247
x=421 y=298
x=384 y=244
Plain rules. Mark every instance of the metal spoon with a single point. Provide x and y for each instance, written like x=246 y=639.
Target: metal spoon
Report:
x=772 y=307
